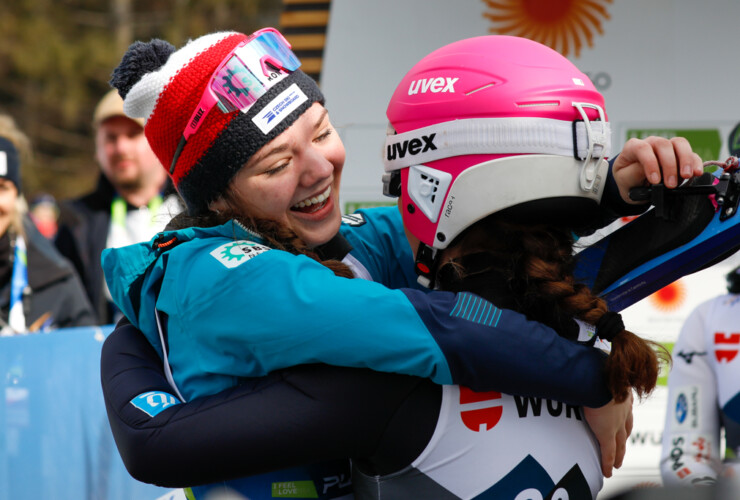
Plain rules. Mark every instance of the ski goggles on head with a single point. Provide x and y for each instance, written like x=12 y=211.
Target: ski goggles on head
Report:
x=245 y=74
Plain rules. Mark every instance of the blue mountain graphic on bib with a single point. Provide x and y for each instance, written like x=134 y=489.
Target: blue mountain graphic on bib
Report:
x=531 y=477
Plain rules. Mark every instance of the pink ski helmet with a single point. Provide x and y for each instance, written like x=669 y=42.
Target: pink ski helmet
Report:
x=488 y=124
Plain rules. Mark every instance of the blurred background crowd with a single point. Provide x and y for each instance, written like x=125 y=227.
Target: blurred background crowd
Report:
x=55 y=62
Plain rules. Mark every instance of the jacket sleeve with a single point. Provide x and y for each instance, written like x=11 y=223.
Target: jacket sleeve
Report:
x=691 y=437
x=612 y=204
x=302 y=415
x=321 y=318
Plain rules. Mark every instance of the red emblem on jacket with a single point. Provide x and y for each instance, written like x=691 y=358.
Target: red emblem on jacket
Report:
x=726 y=346
x=476 y=419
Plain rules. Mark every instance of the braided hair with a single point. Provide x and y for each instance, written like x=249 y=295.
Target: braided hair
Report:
x=529 y=268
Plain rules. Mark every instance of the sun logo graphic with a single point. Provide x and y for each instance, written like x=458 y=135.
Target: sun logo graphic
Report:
x=562 y=25
x=237 y=252
x=670 y=297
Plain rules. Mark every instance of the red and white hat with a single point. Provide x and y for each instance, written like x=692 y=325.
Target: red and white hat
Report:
x=164 y=86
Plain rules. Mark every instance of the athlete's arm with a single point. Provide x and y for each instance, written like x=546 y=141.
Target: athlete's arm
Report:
x=298 y=416
x=646 y=161
x=690 y=452
x=293 y=310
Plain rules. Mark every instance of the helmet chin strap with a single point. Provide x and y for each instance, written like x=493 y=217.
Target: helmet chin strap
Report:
x=426 y=265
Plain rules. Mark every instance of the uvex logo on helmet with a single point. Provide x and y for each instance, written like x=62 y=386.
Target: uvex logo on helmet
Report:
x=412 y=147
x=435 y=85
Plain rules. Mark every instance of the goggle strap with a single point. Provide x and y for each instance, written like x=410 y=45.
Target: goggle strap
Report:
x=178 y=151
x=594 y=139
x=209 y=99
x=497 y=136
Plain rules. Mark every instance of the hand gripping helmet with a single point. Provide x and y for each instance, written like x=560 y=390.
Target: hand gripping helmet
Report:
x=488 y=124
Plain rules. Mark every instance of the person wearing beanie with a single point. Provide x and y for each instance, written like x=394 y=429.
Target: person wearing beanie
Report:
x=130 y=203
x=39 y=289
x=253 y=278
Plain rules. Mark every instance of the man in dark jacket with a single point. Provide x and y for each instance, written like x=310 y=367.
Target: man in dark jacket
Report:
x=126 y=206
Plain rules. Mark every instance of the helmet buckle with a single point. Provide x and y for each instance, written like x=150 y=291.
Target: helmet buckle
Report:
x=594 y=139
x=425 y=265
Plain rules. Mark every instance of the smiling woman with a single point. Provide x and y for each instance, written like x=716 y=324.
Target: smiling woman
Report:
x=295 y=181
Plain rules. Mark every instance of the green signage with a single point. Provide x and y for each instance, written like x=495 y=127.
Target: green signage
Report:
x=294 y=489
x=351 y=207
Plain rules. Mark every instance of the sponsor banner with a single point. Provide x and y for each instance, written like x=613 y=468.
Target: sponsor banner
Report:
x=55 y=441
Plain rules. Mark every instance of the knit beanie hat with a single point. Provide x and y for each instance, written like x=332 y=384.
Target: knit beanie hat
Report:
x=10 y=165
x=164 y=86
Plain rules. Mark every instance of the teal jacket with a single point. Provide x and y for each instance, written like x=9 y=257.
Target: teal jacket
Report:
x=234 y=308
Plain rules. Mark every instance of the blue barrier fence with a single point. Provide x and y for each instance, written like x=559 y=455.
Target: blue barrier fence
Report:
x=55 y=442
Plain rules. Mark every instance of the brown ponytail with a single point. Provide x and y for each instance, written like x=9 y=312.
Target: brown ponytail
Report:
x=634 y=362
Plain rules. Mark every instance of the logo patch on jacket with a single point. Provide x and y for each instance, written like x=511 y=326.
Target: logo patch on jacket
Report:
x=237 y=252
x=354 y=220
x=485 y=417
x=154 y=402
x=726 y=346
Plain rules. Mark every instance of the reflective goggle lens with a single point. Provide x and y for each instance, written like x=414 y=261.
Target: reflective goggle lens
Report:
x=245 y=75
x=251 y=71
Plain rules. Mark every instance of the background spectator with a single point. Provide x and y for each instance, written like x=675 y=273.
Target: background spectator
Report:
x=704 y=395
x=39 y=289
x=127 y=206
x=44 y=212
